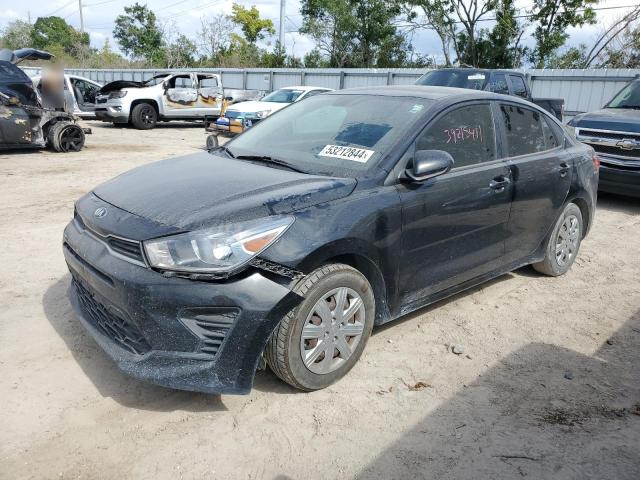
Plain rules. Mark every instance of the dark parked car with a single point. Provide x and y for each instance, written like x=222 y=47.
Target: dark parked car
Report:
x=506 y=82
x=614 y=133
x=376 y=202
x=24 y=121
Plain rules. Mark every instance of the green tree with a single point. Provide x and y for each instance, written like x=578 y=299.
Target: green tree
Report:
x=51 y=32
x=552 y=18
x=351 y=33
x=498 y=47
x=253 y=27
x=16 y=34
x=138 y=34
x=180 y=53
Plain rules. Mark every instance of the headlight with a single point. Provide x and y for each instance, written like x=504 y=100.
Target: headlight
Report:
x=118 y=94
x=221 y=249
x=263 y=113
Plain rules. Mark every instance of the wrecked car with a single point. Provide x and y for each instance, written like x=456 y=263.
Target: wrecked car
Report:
x=24 y=121
x=286 y=250
x=80 y=95
x=236 y=118
x=164 y=97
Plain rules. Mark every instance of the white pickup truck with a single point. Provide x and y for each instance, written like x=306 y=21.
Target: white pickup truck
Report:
x=167 y=96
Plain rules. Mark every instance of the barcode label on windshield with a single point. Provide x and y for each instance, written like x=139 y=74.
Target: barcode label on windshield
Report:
x=347 y=153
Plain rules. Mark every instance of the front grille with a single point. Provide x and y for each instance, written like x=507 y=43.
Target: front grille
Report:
x=131 y=249
x=611 y=150
x=608 y=134
x=101 y=99
x=210 y=326
x=111 y=324
x=128 y=248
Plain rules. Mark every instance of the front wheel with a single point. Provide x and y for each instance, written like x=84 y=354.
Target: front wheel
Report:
x=144 y=116
x=563 y=243
x=321 y=339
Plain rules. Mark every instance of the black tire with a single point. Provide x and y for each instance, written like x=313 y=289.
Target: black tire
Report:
x=283 y=351
x=212 y=142
x=66 y=137
x=144 y=116
x=563 y=235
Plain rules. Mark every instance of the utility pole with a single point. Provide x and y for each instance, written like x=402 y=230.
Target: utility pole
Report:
x=29 y=16
x=81 y=16
x=282 y=16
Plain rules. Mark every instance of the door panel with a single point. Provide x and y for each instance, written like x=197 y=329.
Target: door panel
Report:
x=180 y=96
x=541 y=178
x=209 y=95
x=454 y=228
x=454 y=225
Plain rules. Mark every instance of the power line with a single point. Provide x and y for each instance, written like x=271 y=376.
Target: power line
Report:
x=61 y=8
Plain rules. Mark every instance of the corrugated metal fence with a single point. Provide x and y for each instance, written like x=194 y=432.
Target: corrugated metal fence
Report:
x=582 y=90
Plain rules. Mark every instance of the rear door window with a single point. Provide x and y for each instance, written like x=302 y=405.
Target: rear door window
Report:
x=524 y=130
x=467 y=133
x=499 y=83
x=519 y=87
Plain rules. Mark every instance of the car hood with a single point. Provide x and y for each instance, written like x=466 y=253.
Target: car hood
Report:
x=120 y=84
x=256 y=106
x=202 y=190
x=618 y=119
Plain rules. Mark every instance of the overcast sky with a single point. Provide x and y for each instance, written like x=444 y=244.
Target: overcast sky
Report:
x=99 y=16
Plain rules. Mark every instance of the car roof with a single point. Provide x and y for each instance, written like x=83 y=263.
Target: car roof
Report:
x=304 y=87
x=420 y=91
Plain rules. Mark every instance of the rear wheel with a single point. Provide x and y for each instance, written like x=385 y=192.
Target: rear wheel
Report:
x=563 y=243
x=66 y=137
x=144 y=116
x=212 y=142
x=321 y=339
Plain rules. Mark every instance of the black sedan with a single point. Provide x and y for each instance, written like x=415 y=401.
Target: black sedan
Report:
x=345 y=211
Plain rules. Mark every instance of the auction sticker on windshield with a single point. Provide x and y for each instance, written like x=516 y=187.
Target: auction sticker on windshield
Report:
x=347 y=153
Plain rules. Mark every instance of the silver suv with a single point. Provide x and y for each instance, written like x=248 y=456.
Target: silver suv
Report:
x=167 y=96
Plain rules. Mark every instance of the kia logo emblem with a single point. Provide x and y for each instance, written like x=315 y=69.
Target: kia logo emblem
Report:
x=100 y=212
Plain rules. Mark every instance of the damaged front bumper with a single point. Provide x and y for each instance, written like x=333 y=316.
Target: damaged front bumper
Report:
x=174 y=332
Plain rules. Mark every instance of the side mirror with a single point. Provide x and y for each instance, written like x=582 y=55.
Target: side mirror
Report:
x=428 y=164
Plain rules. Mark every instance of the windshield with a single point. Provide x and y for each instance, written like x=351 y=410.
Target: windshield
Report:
x=337 y=135
x=284 y=95
x=155 y=80
x=628 y=97
x=454 y=78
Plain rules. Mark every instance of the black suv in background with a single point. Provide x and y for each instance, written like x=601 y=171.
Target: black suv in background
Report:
x=506 y=82
x=614 y=133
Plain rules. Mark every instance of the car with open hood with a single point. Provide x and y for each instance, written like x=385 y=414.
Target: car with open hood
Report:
x=164 y=97
x=285 y=246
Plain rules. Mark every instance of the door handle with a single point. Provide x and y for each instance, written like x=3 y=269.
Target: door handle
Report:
x=499 y=183
x=564 y=169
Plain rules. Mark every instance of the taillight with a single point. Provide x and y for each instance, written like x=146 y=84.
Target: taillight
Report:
x=596 y=162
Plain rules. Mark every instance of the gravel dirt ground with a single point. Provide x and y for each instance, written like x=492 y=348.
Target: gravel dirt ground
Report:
x=548 y=385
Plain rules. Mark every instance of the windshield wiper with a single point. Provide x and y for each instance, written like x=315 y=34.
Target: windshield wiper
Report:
x=268 y=159
x=223 y=149
x=632 y=107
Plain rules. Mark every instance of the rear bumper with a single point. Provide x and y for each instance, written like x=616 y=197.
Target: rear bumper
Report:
x=621 y=181
x=173 y=332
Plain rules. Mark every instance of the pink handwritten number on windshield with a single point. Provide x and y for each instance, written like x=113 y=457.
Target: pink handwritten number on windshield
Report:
x=463 y=134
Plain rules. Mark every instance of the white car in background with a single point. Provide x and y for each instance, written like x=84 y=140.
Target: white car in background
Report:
x=237 y=117
x=79 y=93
